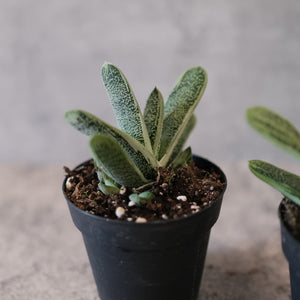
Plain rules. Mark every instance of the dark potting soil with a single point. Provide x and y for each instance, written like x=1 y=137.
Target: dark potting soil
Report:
x=176 y=194
x=291 y=217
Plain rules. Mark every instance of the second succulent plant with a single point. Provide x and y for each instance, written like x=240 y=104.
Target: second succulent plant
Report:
x=285 y=135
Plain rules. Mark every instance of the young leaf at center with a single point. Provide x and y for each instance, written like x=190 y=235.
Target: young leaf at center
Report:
x=154 y=115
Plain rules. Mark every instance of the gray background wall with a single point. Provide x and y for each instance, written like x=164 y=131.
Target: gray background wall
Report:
x=51 y=53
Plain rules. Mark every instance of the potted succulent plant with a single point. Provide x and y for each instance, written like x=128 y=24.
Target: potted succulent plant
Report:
x=284 y=134
x=144 y=205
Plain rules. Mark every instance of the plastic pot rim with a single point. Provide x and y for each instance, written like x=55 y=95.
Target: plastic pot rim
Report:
x=156 y=222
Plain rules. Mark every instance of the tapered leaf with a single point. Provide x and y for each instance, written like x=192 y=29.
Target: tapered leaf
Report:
x=169 y=151
x=183 y=138
x=153 y=115
x=90 y=125
x=108 y=154
x=126 y=108
x=183 y=158
x=275 y=128
x=180 y=106
x=285 y=182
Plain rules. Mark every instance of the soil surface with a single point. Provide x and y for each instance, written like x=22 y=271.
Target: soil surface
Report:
x=176 y=194
x=291 y=217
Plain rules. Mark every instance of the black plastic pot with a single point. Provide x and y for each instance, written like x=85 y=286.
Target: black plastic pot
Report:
x=161 y=260
x=291 y=250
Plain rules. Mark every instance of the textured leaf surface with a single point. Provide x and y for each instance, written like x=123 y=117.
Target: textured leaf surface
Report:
x=178 y=145
x=126 y=108
x=108 y=154
x=90 y=125
x=180 y=106
x=285 y=182
x=275 y=128
x=154 y=115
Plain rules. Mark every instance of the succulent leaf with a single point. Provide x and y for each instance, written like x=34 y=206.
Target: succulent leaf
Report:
x=124 y=103
x=181 y=139
x=153 y=115
x=108 y=189
x=188 y=90
x=275 y=128
x=183 y=158
x=179 y=108
x=110 y=156
x=285 y=182
x=90 y=125
x=141 y=198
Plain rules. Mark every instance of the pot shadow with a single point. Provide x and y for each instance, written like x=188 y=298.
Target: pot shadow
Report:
x=259 y=272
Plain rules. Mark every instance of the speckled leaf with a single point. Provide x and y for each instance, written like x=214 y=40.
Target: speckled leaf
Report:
x=275 y=128
x=183 y=158
x=183 y=138
x=285 y=182
x=153 y=115
x=126 y=108
x=108 y=154
x=168 y=151
x=180 y=106
x=89 y=124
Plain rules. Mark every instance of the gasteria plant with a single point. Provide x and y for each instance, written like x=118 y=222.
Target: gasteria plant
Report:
x=131 y=155
x=285 y=135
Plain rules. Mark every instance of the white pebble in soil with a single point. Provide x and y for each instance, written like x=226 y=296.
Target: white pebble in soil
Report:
x=140 y=220
x=131 y=203
x=120 y=212
x=69 y=184
x=122 y=190
x=182 y=198
x=165 y=217
x=195 y=207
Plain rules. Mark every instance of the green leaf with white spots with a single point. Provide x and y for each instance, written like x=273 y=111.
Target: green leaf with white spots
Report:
x=179 y=108
x=178 y=145
x=90 y=125
x=275 y=128
x=154 y=115
x=110 y=156
x=285 y=182
x=126 y=108
x=169 y=151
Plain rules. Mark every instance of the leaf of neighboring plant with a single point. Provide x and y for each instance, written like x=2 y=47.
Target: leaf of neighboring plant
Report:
x=109 y=155
x=183 y=158
x=183 y=138
x=275 y=128
x=180 y=106
x=285 y=182
x=126 y=108
x=154 y=115
x=90 y=125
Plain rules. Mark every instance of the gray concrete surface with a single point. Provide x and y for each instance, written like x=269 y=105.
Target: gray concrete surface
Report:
x=42 y=255
x=51 y=53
